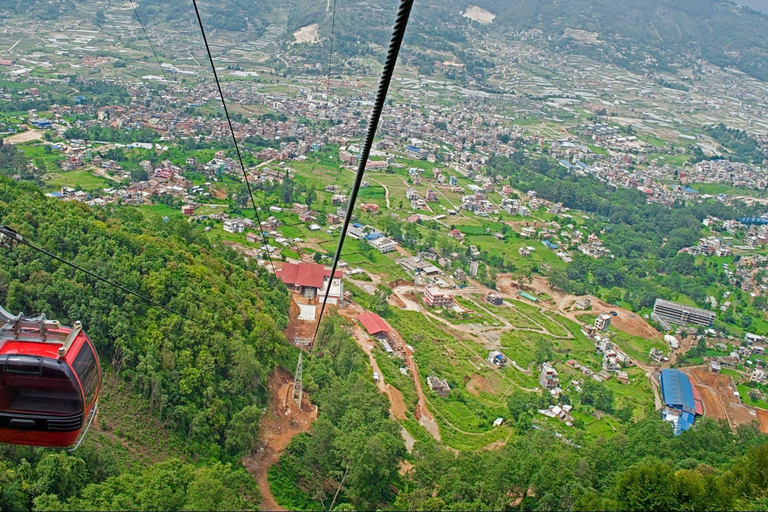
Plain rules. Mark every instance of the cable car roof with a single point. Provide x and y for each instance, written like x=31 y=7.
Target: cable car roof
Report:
x=37 y=336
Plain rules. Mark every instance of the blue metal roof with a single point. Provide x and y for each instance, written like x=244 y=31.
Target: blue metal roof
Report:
x=685 y=422
x=412 y=148
x=677 y=392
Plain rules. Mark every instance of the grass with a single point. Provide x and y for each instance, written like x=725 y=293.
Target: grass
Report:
x=636 y=347
x=744 y=392
x=79 y=178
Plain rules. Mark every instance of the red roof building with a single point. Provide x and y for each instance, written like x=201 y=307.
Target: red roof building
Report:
x=374 y=324
x=310 y=279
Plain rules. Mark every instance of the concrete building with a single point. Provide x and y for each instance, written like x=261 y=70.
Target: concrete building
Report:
x=548 y=378
x=679 y=314
x=602 y=322
x=435 y=296
x=383 y=244
x=234 y=225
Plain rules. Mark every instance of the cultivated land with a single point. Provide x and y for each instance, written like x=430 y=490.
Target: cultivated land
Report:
x=584 y=119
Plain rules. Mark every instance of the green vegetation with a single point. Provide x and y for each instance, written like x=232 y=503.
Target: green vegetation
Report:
x=354 y=447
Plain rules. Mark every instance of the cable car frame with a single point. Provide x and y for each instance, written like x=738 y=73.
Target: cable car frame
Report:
x=49 y=381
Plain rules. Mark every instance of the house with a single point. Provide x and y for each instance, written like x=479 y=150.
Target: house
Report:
x=234 y=225
x=496 y=358
x=435 y=296
x=252 y=237
x=458 y=235
x=603 y=321
x=431 y=196
x=582 y=303
x=439 y=386
x=622 y=377
x=375 y=325
x=312 y=279
x=370 y=207
x=548 y=378
x=460 y=276
x=383 y=244
x=494 y=298
x=187 y=209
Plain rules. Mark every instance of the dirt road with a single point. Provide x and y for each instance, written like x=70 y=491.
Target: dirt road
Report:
x=283 y=420
x=22 y=137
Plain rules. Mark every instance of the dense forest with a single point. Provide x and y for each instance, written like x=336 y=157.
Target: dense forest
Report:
x=203 y=380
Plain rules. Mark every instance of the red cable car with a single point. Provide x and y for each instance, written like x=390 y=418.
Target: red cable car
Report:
x=49 y=381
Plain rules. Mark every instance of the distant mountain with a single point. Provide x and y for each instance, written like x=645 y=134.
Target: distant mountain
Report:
x=647 y=34
x=758 y=5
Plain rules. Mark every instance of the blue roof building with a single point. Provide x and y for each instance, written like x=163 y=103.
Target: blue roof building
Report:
x=681 y=400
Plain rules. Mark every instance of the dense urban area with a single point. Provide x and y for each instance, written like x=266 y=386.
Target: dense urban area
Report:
x=553 y=295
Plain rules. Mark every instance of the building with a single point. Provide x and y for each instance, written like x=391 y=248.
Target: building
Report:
x=383 y=244
x=548 y=378
x=435 y=296
x=370 y=207
x=682 y=402
x=431 y=196
x=494 y=298
x=187 y=209
x=603 y=321
x=679 y=314
x=311 y=280
x=496 y=358
x=439 y=386
x=714 y=367
x=375 y=325
x=234 y=225
x=582 y=303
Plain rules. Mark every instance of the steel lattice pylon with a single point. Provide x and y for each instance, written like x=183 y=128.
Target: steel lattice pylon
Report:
x=298 y=389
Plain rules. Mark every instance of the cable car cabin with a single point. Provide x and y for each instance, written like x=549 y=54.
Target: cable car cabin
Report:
x=49 y=381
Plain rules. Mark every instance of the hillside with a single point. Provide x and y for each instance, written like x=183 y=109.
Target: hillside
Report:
x=658 y=35
x=171 y=386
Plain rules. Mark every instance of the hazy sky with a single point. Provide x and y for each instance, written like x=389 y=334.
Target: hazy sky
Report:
x=760 y=5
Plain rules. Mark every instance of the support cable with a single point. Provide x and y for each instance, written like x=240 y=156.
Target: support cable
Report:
x=10 y=237
x=330 y=55
x=151 y=46
x=234 y=139
x=398 y=32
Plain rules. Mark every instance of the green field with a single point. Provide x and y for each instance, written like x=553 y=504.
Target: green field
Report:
x=78 y=179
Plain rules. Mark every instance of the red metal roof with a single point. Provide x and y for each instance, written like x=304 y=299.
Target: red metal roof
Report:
x=306 y=274
x=373 y=323
x=697 y=400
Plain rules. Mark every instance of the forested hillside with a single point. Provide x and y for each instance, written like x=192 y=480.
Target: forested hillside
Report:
x=203 y=381
x=639 y=35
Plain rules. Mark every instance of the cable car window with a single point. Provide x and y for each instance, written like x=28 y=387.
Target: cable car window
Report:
x=51 y=388
x=23 y=364
x=87 y=370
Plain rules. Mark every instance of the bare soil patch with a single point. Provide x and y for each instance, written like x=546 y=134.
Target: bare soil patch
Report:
x=398 y=407
x=308 y=34
x=284 y=419
x=476 y=384
x=717 y=393
x=22 y=137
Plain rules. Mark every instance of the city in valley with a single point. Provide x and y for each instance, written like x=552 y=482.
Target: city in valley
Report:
x=544 y=238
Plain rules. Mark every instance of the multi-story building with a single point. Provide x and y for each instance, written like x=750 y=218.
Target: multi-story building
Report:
x=548 y=378
x=437 y=297
x=679 y=314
